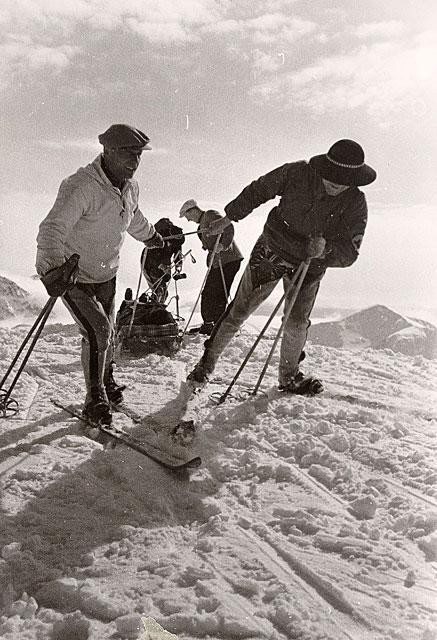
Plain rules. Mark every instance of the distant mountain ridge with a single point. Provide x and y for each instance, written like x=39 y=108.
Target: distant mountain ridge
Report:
x=378 y=327
x=15 y=301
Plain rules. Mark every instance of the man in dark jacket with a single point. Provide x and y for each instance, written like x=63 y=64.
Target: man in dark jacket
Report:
x=321 y=216
x=225 y=265
x=159 y=261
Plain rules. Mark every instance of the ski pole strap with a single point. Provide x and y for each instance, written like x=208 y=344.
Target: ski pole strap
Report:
x=297 y=287
x=259 y=337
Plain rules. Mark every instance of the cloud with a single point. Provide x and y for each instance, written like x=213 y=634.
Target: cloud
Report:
x=82 y=144
x=162 y=32
x=383 y=78
x=90 y=145
x=31 y=55
x=266 y=62
x=20 y=57
x=389 y=29
x=267 y=28
x=110 y=14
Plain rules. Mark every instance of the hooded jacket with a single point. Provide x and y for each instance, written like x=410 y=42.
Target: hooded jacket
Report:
x=91 y=217
x=305 y=209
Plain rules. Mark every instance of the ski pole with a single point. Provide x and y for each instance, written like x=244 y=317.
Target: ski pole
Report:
x=37 y=327
x=261 y=334
x=56 y=282
x=177 y=236
x=173 y=264
x=225 y=289
x=287 y=313
x=131 y=321
x=214 y=251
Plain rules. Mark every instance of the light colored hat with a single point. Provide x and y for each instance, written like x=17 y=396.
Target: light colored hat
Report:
x=189 y=204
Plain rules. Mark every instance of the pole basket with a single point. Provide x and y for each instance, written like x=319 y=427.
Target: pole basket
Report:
x=8 y=406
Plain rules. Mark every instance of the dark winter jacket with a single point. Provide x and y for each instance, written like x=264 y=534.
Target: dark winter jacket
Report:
x=230 y=251
x=171 y=249
x=304 y=210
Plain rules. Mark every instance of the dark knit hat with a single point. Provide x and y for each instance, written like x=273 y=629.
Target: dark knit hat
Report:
x=344 y=164
x=123 y=135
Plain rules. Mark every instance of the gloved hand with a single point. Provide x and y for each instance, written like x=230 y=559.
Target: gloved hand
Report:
x=315 y=247
x=217 y=226
x=60 y=279
x=219 y=248
x=155 y=242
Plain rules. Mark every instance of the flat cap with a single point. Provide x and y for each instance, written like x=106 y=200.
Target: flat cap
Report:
x=123 y=135
x=189 y=204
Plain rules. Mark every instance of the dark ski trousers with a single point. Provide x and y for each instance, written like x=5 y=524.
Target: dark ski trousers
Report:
x=214 y=298
x=93 y=309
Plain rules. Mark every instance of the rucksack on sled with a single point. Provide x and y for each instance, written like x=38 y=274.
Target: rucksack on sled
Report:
x=154 y=330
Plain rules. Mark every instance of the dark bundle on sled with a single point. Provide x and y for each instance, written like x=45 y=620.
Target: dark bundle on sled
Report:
x=154 y=330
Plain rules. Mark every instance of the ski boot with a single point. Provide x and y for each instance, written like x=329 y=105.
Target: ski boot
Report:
x=114 y=392
x=97 y=412
x=198 y=377
x=302 y=385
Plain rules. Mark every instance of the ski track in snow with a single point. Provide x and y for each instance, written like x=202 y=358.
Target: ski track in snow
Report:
x=311 y=518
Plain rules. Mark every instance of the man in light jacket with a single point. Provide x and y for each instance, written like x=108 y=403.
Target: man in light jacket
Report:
x=94 y=209
x=321 y=217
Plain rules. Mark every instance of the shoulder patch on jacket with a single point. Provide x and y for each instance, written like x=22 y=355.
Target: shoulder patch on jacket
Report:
x=357 y=240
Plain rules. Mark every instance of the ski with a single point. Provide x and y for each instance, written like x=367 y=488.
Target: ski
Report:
x=182 y=433
x=118 y=435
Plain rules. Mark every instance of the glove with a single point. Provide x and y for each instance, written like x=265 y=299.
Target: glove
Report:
x=60 y=279
x=155 y=242
x=217 y=226
x=315 y=247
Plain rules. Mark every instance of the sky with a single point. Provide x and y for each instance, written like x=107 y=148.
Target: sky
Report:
x=227 y=91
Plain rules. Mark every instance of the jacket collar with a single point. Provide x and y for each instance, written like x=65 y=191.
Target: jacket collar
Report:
x=95 y=170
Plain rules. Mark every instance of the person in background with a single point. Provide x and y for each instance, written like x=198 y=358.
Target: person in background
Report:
x=321 y=217
x=158 y=262
x=225 y=264
x=94 y=209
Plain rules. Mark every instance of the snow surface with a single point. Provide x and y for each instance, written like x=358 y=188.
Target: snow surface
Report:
x=310 y=518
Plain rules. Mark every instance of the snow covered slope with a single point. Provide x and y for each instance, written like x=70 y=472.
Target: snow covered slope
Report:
x=310 y=519
x=380 y=328
x=15 y=301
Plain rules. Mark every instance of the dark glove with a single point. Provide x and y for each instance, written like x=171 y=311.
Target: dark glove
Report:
x=60 y=279
x=315 y=247
x=155 y=242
